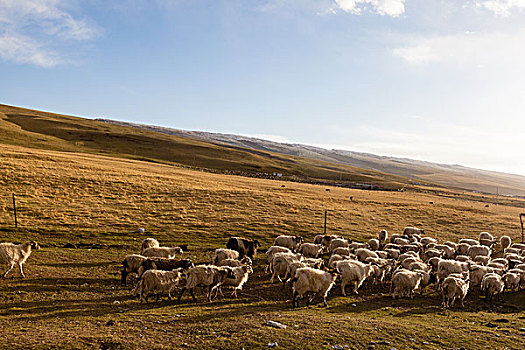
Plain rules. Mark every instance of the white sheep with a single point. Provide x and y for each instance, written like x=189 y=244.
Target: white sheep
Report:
x=477 y=250
x=482 y=260
x=362 y=254
x=448 y=251
x=447 y=267
x=310 y=250
x=353 y=272
x=270 y=254
x=469 y=241
x=334 y=259
x=157 y=281
x=477 y=272
x=148 y=243
x=16 y=254
x=486 y=239
x=342 y=251
x=512 y=281
x=290 y=242
x=131 y=264
x=462 y=248
x=405 y=283
x=338 y=242
x=235 y=263
x=413 y=230
x=309 y=280
x=374 y=244
x=427 y=240
x=223 y=254
x=454 y=288
x=205 y=275
x=240 y=274
x=280 y=262
x=492 y=285
x=162 y=252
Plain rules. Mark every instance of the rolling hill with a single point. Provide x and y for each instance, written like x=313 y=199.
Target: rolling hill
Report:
x=241 y=155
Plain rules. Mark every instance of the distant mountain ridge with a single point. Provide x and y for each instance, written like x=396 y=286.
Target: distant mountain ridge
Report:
x=456 y=176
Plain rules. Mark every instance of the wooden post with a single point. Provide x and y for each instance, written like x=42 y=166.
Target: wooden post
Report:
x=522 y=215
x=324 y=231
x=14 y=209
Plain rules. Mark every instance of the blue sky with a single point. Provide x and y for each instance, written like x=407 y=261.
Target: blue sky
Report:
x=440 y=80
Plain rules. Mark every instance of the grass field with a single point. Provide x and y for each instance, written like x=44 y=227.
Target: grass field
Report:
x=72 y=298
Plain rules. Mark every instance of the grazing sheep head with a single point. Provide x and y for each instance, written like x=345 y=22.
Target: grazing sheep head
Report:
x=298 y=239
x=256 y=243
x=34 y=245
x=246 y=261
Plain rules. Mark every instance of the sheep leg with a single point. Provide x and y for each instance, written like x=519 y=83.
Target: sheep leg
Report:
x=343 y=286
x=21 y=270
x=9 y=269
x=294 y=299
x=180 y=295
x=193 y=295
x=123 y=274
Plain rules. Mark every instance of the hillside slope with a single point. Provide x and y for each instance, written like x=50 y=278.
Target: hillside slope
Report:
x=30 y=128
x=443 y=174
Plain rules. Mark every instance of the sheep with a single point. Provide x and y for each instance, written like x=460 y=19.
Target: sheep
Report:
x=462 y=248
x=407 y=255
x=405 y=282
x=512 y=281
x=131 y=264
x=448 y=252
x=427 y=240
x=406 y=262
x=512 y=250
x=446 y=267
x=383 y=236
x=310 y=250
x=280 y=262
x=522 y=275
x=311 y=280
x=392 y=246
x=334 y=259
x=148 y=243
x=451 y=244
x=486 y=239
x=374 y=244
x=354 y=272
x=162 y=252
x=205 y=275
x=342 y=251
x=505 y=242
x=158 y=281
x=501 y=261
x=316 y=263
x=364 y=253
x=477 y=273
x=454 y=288
x=393 y=253
x=164 y=264
x=11 y=254
x=244 y=246
x=223 y=254
x=433 y=253
x=235 y=262
x=413 y=247
x=401 y=241
x=492 y=285
x=482 y=259
x=271 y=252
x=408 y=231
x=476 y=250
x=518 y=246
x=290 y=242
x=382 y=254
x=338 y=242
x=358 y=245
x=418 y=265
x=462 y=258
x=469 y=241
x=433 y=263
x=240 y=274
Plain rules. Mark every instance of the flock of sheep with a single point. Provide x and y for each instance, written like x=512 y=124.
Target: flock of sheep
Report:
x=406 y=262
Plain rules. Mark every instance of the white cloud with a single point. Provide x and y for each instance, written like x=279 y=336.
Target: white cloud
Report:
x=393 y=8
x=502 y=7
x=30 y=30
x=465 y=49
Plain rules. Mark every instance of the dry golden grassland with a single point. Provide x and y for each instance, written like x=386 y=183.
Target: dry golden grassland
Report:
x=72 y=298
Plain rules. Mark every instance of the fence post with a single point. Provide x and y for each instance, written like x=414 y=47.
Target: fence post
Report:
x=324 y=231
x=14 y=209
x=522 y=215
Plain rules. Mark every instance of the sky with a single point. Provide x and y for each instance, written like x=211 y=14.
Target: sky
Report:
x=436 y=80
